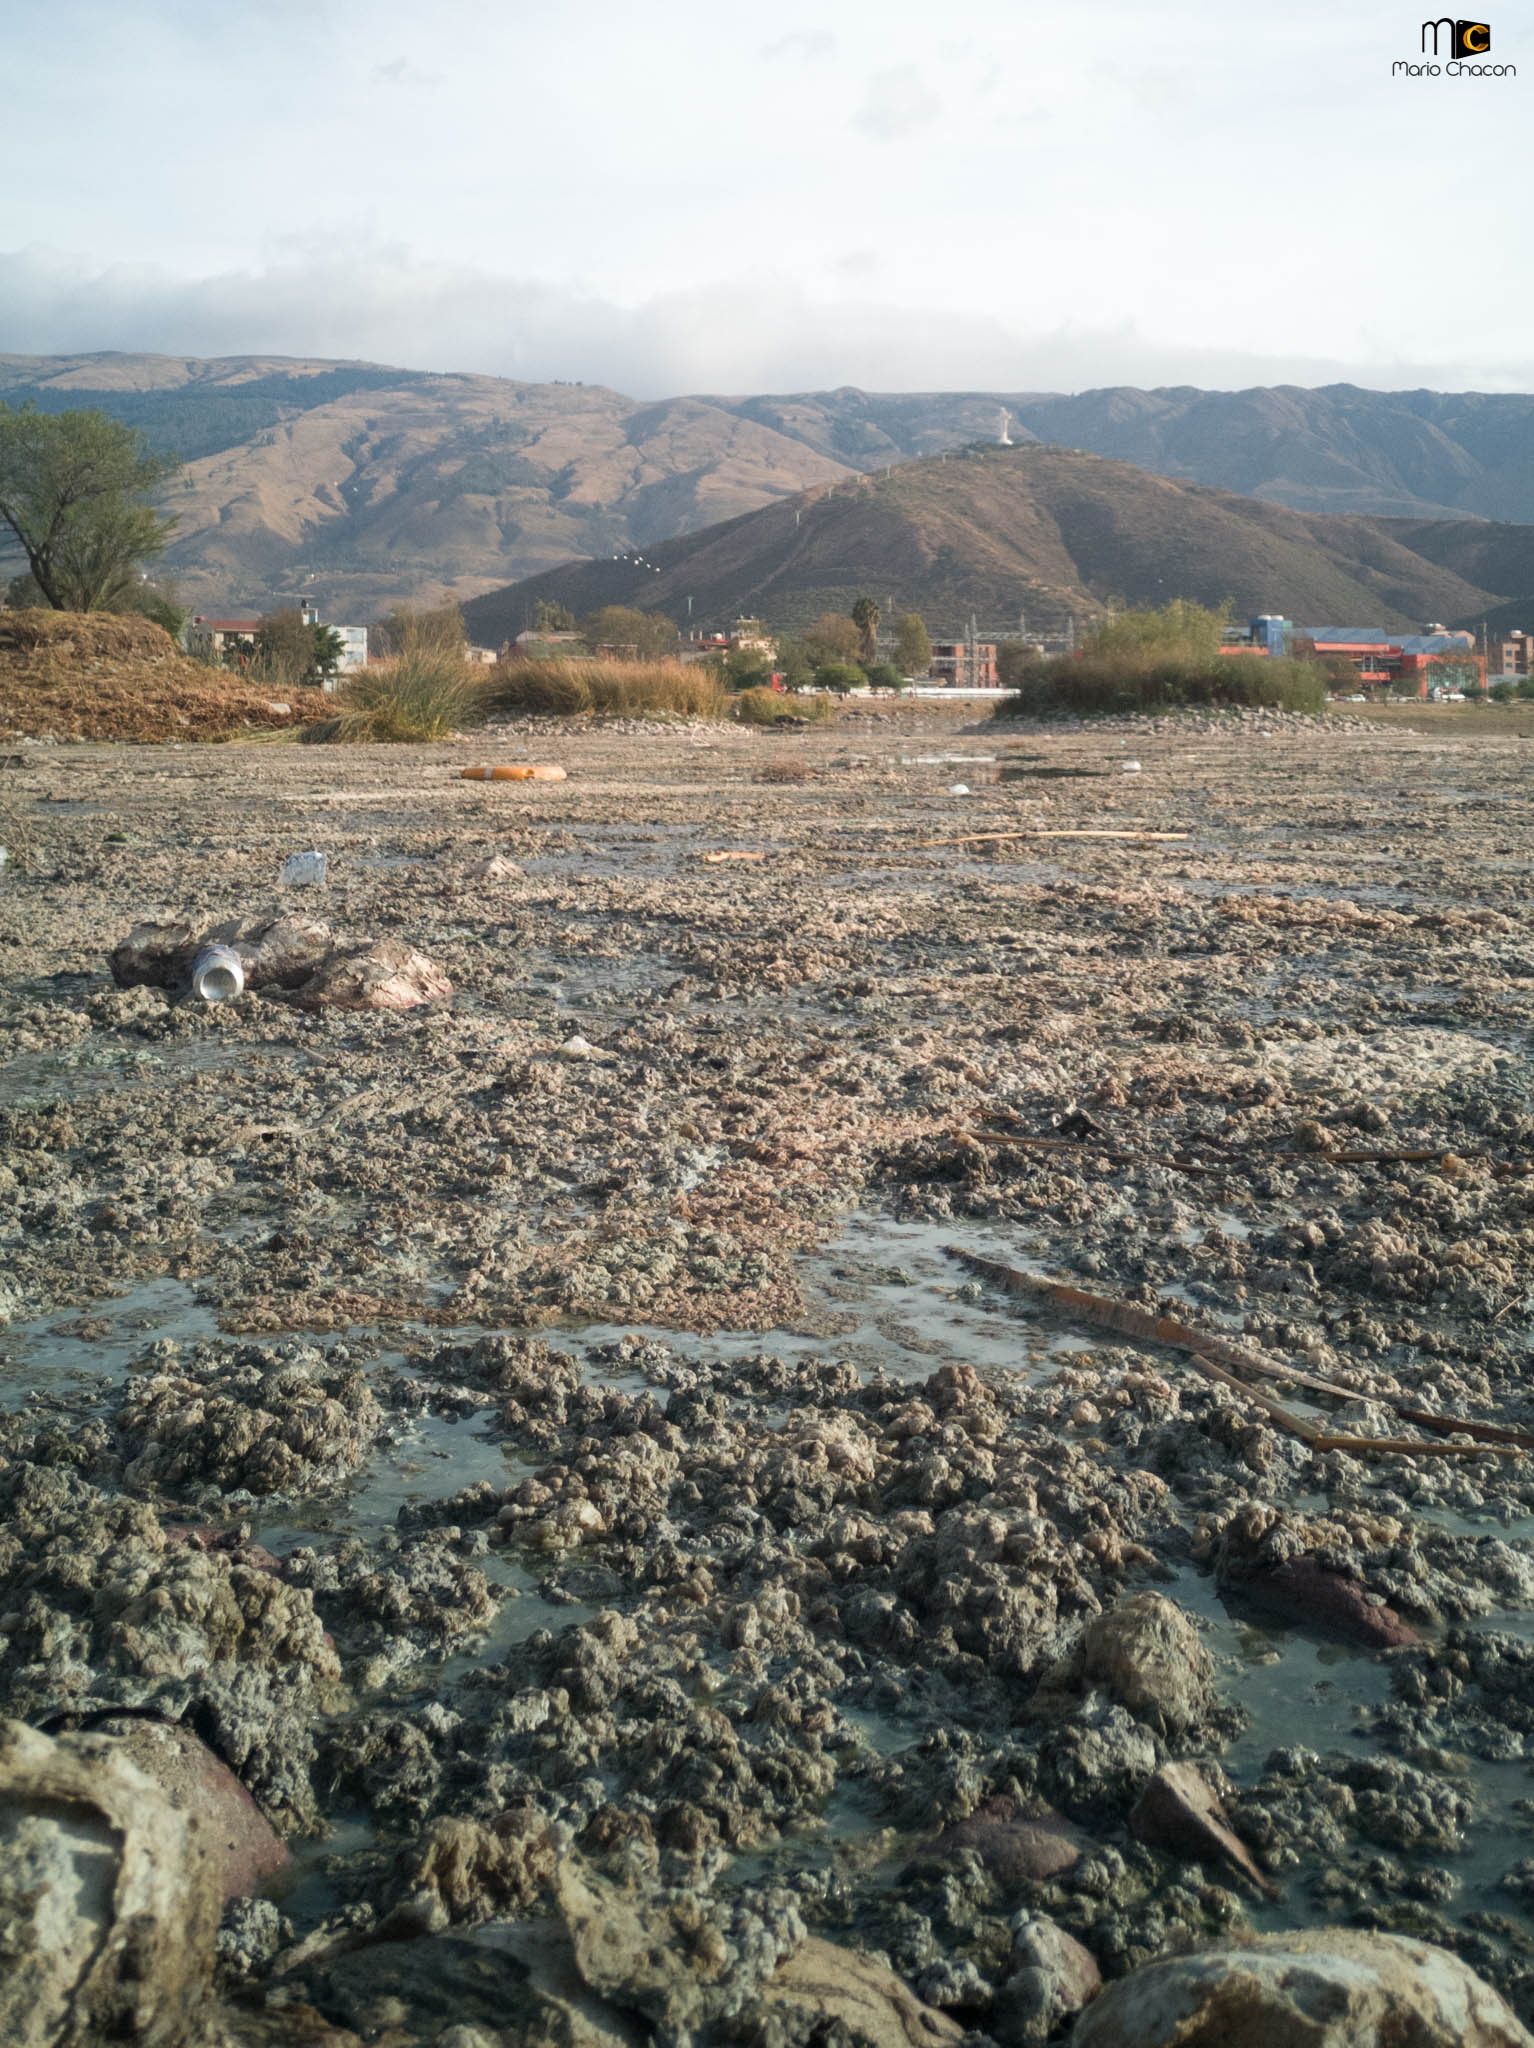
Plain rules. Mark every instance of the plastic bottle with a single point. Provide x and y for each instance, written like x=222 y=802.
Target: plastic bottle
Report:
x=302 y=868
x=218 y=974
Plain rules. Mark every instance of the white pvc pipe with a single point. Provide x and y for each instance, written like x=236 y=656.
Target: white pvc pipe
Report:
x=218 y=975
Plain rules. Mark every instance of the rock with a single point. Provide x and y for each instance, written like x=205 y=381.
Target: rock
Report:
x=666 y=1954
x=387 y=975
x=197 y=1784
x=1015 y=1843
x=479 y=1869
x=497 y=869
x=109 y=1899
x=1147 y=1655
x=1327 y=1987
x=1052 y=1977
x=1178 y=1811
x=826 y=1984
x=153 y=956
x=1304 y=1590
x=275 y=952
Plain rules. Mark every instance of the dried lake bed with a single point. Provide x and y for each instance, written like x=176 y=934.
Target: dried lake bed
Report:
x=549 y=1423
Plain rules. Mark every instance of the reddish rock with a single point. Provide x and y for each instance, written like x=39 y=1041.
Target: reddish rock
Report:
x=248 y=1854
x=1303 y=1589
x=1178 y=1811
x=1014 y=1843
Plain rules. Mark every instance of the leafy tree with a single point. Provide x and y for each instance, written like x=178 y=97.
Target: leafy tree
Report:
x=746 y=668
x=884 y=675
x=865 y=616
x=646 y=635
x=840 y=676
x=832 y=638
x=437 y=630
x=796 y=664
x=74 y=492
x=1178 y=631
x=553 y=618
x=913 y=648
x=290 y=652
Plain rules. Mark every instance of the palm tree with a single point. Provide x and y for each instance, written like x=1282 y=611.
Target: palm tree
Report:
x=865 y=616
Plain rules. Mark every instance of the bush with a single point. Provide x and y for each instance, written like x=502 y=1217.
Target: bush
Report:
x=767 y=707
x=421 y=696
x=1100 y=685
x=884 y=675
x=840 y=676
x=606 y=689
x=1503 y=693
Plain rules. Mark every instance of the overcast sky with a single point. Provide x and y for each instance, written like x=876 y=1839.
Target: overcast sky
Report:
x=681 y=196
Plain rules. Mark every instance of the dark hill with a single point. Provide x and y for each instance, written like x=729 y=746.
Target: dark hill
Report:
x=1035 y=530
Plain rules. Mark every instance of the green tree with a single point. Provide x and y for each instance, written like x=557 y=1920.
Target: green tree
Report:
x=623 y=629
x=746 y=668
x=913 y=647
x=1178 y=631
x=74 y=500
x=865 y=616
x=832 y=638
x=840 y=676
x=553 y=618
x=290 y=652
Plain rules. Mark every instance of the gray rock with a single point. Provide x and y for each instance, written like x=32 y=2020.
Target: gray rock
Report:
x=1052 y=1977
x=1146 y=1654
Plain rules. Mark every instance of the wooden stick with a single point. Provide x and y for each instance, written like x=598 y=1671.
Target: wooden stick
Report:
x=1215 y=1355
x=1504 y=1168
x=1038 y=832
x=1005 y=1140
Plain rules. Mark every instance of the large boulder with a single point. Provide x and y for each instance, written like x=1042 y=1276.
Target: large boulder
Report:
x=1328 y=1987
x=249 y=1854
x=1146 y=1654
x=109 y=1899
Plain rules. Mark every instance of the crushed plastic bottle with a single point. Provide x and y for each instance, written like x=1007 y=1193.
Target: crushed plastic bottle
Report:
x=958 y=789
x=218 y=974
x=1129 y=767
x=303 y=869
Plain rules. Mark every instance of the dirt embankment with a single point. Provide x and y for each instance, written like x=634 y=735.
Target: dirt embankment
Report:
x=110 y=676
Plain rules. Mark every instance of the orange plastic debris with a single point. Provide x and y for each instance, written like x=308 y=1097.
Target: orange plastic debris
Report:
x=516 y=771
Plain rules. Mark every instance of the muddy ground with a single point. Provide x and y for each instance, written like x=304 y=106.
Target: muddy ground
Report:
x=551 y=1418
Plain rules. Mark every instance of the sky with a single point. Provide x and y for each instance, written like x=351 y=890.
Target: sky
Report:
x=682 y=197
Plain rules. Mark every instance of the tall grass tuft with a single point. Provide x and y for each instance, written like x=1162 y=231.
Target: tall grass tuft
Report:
x=1102 y=684
x=606 y=689
x=424 y=694
x=771 y=707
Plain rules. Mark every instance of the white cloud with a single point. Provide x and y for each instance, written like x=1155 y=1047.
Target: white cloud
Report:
x=736 y=335
x=806 y=45
x=897 y=103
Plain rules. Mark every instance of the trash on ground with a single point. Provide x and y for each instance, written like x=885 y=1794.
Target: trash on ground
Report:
x=958 y=789
x=496 y=869
x=1129 y=768
x=218 y=975
x=1054 y=832
x=729 y=854
x=303 y=870
x=515 y=771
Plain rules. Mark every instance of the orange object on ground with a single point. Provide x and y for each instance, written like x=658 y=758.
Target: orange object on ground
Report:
x=713 y=857
x=516 y=771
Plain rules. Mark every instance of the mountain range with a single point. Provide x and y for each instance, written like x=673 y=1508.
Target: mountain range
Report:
x=362 y=485
x=1026 y=538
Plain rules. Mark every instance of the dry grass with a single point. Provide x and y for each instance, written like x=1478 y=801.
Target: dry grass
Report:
x=775 y=707
x=785 y=769
x=426 y=694
x=101 y=676
x=605 y=689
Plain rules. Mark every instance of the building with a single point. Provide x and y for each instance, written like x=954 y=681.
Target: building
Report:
x=953 y=668
x=1376 y=657
x=213 y=639
x=750 y=635
x=1510 y=655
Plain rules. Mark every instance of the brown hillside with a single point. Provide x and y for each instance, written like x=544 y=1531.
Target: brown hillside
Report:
x=1037 y=530
x=100 y=676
